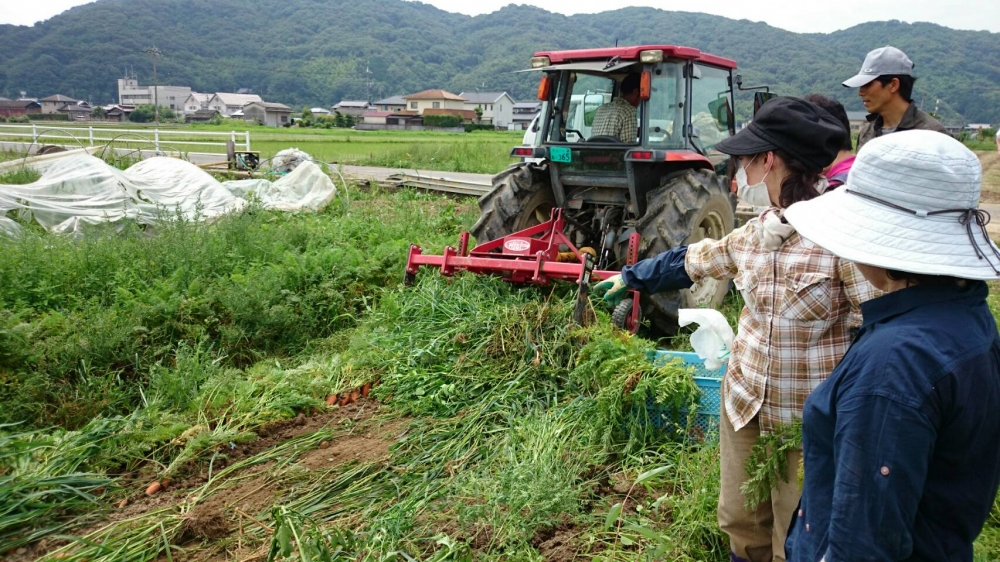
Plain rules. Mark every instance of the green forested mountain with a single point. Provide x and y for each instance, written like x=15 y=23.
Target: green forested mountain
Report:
x=315 y=52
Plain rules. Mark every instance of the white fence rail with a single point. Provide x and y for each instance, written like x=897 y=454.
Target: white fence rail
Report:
x=82 y=136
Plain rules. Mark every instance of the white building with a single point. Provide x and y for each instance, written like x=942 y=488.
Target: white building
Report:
x=196 y=102
x=131 y=93
x=228 y=104
x=497 y=107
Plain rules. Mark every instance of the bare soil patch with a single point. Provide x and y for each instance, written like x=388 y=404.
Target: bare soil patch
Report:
x=557 y=543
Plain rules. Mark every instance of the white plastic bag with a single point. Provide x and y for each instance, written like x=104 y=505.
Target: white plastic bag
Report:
x=714 y=337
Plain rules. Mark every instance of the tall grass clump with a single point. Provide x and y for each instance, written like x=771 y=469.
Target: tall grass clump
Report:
x=83 y=322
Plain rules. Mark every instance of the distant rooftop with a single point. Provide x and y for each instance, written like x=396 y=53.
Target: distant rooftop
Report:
x=237 y=99
x=352 y=103
x=394 y=100
x=270 y=105
x=482 y=97
x=17 y=104
x=59 y=97
x=434 y=95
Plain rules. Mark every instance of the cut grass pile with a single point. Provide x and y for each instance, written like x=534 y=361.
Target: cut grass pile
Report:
x=498 y=430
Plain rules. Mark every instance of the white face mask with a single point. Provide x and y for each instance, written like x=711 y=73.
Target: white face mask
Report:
x=754 y=195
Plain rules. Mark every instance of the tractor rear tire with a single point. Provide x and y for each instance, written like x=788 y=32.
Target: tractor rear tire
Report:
x=521 y=197
x=688 y=207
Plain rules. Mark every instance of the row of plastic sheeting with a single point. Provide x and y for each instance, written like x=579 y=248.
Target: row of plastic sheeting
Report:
x=80 y=189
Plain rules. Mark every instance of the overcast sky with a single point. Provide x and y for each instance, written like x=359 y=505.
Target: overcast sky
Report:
x=794 y=15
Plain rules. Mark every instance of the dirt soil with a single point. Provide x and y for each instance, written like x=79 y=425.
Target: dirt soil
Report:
x=231 y=508
x=558 y=543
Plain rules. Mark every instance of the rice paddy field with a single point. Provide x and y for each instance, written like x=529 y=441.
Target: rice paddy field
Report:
x=265 y=388
x=484 y=152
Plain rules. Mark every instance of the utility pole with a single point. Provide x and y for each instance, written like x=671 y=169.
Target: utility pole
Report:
x=368 y=84
x=156 y=89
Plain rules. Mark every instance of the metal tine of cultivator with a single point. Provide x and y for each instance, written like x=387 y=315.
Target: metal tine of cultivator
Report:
x=531 y=256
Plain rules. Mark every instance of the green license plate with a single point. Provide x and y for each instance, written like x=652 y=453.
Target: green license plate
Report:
x=561 y=154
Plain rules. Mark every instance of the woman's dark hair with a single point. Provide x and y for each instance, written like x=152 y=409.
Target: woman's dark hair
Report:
x=905 y=84
x=833 y=107
x=924 y=279
x=800 y=183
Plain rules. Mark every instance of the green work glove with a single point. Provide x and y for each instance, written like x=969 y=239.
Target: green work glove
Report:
x=613 y=289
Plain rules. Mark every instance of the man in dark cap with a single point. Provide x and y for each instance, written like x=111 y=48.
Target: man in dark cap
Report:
x=885 y=84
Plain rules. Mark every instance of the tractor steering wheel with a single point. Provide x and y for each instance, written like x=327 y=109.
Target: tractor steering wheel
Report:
x=606 y=138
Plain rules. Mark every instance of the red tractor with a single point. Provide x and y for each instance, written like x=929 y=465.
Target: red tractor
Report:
x=665 y=183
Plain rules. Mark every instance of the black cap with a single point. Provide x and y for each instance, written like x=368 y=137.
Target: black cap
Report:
x=803 y=130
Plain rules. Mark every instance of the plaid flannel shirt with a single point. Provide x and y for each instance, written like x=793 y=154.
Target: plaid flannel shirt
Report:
x=801 y=303
x=616 y=119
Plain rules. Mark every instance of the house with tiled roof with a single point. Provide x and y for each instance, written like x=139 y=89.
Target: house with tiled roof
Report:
x=433 y=99
x=19 y=108
x=353 y=108
x=231 y=105
x=53 y=104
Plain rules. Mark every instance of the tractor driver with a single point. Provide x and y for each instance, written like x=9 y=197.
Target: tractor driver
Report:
x=619 y=118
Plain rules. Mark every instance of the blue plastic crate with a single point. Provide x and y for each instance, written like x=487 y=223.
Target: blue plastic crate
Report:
x=705 y=425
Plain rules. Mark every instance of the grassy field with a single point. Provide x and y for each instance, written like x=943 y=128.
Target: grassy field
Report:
x=991 y=176
x=204 y=392
x=483 y=152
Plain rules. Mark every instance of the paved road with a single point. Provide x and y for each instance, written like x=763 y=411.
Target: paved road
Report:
x=379 y=174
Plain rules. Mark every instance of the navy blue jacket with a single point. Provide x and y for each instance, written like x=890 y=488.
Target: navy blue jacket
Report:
x=902 y=442
x=662 y=272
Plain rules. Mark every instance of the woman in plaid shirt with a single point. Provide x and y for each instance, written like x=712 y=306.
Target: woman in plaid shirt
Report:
x=801 y=304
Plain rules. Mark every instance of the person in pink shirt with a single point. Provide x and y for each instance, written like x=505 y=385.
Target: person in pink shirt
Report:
x=836 y=172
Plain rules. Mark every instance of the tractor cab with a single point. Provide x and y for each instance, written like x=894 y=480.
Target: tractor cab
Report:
x=685 y=108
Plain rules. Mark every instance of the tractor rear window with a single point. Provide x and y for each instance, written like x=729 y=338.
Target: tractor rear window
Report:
x=580 y=95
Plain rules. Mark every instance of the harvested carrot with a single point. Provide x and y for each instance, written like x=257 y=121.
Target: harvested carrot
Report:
x=153 y=488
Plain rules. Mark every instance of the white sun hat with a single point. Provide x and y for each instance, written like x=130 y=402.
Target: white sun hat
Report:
x=910 y=204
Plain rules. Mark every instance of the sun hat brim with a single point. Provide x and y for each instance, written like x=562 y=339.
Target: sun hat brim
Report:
x=745 y=143
x=859 y=80
x=867 y=232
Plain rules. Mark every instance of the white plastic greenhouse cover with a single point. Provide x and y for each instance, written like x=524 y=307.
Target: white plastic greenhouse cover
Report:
x=83 y=189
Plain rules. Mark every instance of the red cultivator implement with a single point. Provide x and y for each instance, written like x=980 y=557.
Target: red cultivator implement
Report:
x=535 y=255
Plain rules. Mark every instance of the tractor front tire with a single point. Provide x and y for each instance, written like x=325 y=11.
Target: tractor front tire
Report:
x=688 y=207
x=521 y=197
